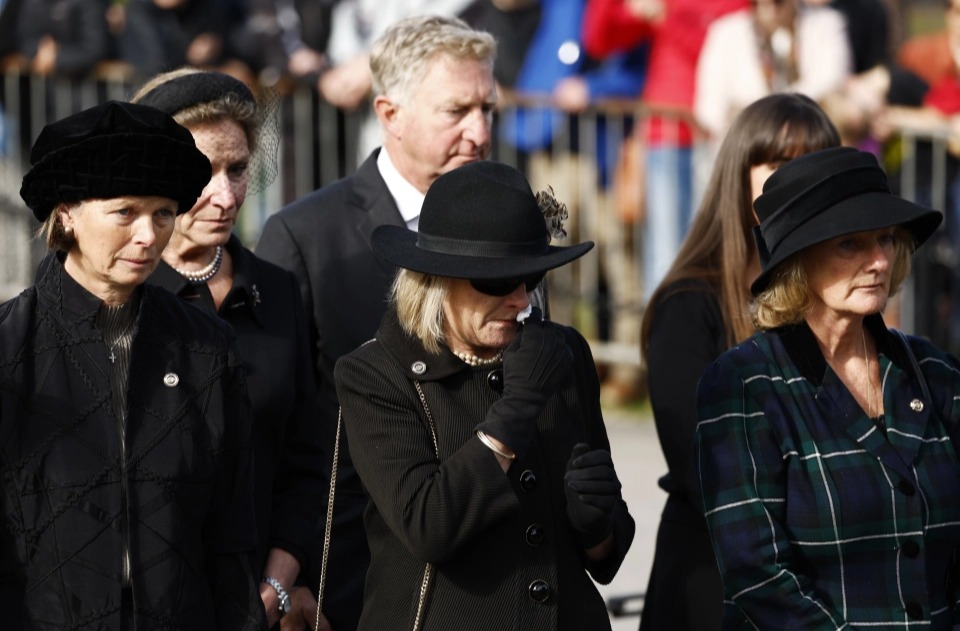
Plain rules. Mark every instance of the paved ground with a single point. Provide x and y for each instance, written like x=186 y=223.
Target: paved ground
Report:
x=639 y=462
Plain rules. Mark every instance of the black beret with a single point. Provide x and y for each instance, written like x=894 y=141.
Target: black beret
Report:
x=112 y=150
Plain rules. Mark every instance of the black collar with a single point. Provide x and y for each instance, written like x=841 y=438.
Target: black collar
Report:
x=804 y=350
x=417 y=362
x=244 y=292
x=62 y=294
x=246 y=276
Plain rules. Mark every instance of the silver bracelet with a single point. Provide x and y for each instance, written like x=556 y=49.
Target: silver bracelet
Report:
x=282 y=594
x=489 y=443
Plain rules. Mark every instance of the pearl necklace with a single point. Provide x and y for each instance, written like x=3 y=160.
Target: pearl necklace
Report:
x=473 y=360
x=206 y=273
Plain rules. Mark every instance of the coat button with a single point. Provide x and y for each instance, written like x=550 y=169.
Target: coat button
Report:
x=916 y=405
x=528 y=480
x=539 y=591
x=906 y=487
x=171 y=379
x=535 y=534
x=910 y=549
x=495 y=380
x=915 y=611
x=418 y=368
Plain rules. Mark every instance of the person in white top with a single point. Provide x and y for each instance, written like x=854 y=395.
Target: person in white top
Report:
x=773 y=46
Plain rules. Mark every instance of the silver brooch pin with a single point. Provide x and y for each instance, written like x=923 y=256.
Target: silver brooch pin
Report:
x=171 y=379
x=418 y=368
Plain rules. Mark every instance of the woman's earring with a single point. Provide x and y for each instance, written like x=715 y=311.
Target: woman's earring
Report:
x=68 y=231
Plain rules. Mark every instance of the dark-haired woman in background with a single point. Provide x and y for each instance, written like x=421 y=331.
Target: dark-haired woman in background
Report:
x=697 y=312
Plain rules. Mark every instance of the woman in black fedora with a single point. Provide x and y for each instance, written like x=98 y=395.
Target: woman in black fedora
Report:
x=124 y=417
x=479 y=438
x=827 y=452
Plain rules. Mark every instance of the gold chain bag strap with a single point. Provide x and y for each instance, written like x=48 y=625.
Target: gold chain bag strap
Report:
x=328 y=526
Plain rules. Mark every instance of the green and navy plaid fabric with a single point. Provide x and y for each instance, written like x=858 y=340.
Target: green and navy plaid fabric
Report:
x=819 y=518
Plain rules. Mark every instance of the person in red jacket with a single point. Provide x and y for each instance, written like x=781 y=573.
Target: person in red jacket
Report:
x=675 y=30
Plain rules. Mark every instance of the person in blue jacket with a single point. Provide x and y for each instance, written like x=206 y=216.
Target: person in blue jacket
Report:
x=555 y=86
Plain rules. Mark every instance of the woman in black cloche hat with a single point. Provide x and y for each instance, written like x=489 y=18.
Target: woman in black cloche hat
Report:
x=124 y=418
x=478 y=433
x=827 y=443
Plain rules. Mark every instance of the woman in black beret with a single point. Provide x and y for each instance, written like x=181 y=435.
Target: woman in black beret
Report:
x=828 y=442
x=206 y=264
x=124 y=418
x=494 y=503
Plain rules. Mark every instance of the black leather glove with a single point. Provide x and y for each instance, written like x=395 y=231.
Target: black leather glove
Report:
x=593 y=493
x=535 y=365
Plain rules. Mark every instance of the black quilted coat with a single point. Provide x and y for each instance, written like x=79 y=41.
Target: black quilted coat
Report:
x=177 y=494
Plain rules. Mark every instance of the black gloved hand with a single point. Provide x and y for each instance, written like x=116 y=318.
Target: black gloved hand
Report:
x=535 y=365
x=537 y=361
x=593 y=492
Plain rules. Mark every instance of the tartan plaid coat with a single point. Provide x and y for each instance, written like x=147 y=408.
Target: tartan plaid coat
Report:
x=819 y=519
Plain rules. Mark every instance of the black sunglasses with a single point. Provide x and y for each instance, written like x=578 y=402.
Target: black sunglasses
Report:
x=504 y=286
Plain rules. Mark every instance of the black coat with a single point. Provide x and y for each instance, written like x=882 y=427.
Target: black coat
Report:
x=266 y=314
x=685 y=592
x=10 y=28
x=78 y=26
x=324 y=239
x=490 y=536
x=156 y=40
x=185 y=482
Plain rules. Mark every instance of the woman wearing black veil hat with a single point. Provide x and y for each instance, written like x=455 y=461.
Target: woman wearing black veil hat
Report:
x=206 y=264
x=124 y=417
x=493 y=496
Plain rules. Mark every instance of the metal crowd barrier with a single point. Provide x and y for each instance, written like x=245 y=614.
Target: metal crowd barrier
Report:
x=925 y=169
x=600 y=293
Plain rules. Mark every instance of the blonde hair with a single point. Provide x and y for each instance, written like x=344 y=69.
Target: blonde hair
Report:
x=399 y=58
x=788 y=299
x=53 y=232
x=419 y=302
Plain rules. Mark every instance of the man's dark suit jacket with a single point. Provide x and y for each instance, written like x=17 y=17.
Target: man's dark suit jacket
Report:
x=324 y=239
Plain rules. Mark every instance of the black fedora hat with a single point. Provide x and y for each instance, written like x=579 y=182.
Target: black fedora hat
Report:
x=826 y=194
x=478 y=221
x=112 y=150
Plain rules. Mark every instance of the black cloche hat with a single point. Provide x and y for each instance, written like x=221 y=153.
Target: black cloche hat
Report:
x=826 y=194
x=478 y=221
x=112 y=150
